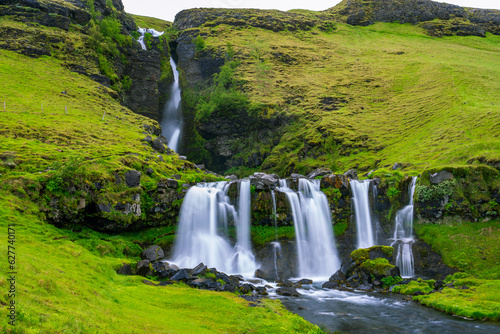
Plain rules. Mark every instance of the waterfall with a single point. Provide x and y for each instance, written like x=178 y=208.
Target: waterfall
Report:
x=244 y=255
x=276 y=250
x=316 y=251
x=203 y=230
x=171 y=118
x=362 y=212
x=142 y=31
x=403 y=235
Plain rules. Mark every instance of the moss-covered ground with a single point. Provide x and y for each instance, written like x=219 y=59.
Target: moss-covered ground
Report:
x=472 y=248
x=369 y=96
x=63 y=287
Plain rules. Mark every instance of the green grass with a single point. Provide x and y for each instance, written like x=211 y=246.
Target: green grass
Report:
x=64 y=287
x=480 y=301
x=470 y=247
x=415 y=286
x=262 y=235
x=403 y=96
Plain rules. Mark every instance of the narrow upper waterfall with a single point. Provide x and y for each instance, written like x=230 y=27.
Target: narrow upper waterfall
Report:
x=171 y=119
x=362 y=212
x=205 y=216
x=316 y=251
x=403 y=235
x=142 y=31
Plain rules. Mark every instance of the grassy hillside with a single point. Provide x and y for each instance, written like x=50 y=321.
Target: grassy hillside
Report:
x=71 y=287
x=369 y=96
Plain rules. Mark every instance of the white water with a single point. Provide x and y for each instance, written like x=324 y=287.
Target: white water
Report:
x=243 y=251
x=274 y=216
x=403 y=236
x=142 y=31
x=362 y=212
x=171 y=119
x=203 y=228
x=276 y=250
x=316 y=251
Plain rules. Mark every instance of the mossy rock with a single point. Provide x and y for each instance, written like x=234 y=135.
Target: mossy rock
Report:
x=372 y=253
x=378 y=267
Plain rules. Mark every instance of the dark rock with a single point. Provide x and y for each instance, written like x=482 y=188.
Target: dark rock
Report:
x=200 y=167
x=419 y=293
x=181 y=275
x=148 y=140
x=152 y=253
x=198 y=269
x=352 y=174
x=287 y=291
x=429 y=263
x=262 y=181
x=438 y=284
x=165 y=283
x=232 y=177
x=171 y=183
x=149 y=171
x=163 y=140
x=132 y=178
x=159 y=266
x=143 y=268
x=182 y=157
x=246 y=288
x=338 y=277
x=229 y=287
x=158 y=145
x=145 y=281
x=305 y=281
x=319 y=172
x=177 y=177
x=125 y=270
x=440 y=176
x=331 y=285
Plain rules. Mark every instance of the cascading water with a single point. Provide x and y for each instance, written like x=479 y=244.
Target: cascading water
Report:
x=203 y=228
x=362 y=211
x=316 y=251
x=403 y=236
x=142 y=31
x=171 y=119
x=243 y=251
x=274 y=216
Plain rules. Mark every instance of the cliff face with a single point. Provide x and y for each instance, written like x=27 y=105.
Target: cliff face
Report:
x=104 y=50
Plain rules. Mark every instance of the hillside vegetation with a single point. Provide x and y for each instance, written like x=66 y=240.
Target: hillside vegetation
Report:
x=365 y=96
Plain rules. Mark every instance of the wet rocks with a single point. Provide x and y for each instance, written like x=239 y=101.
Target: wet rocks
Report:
x=263 y=181
x=287 y=291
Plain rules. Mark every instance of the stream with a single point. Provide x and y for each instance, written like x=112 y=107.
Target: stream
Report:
x=375 y=312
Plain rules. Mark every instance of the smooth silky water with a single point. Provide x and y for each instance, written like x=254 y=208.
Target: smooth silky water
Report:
x=371 y=312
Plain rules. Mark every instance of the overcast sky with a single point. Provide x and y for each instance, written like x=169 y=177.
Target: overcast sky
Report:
x=166 y=9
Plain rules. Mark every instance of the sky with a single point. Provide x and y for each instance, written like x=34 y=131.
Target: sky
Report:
x=166 y=9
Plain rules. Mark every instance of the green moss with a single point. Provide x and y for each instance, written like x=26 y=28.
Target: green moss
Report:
x=340 y=228
x=414 y=286
x=262 y=235
x=470 y=247
x=378 y=266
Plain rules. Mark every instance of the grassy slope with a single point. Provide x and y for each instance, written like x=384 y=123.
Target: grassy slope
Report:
x=410 y=98
x=64 y=287
x=473 y=248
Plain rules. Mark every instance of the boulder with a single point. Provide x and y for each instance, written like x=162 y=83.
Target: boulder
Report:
x=181 y=275
x=287 y=291
x=126 y=269
x=319 y=172
x=440 y=176
x=158 y=145
x=198 y=269
x=263 y=181
x=246 y=288
x=352 y=174
x=152 y=253
x=232 y=177
x=171 y=183
x=132 y=178
x=305 y=281
x=143 y=268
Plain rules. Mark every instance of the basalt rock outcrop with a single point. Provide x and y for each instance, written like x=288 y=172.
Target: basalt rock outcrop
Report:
x=438 y=18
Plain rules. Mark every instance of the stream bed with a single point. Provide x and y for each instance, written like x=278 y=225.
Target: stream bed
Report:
x=376 y=312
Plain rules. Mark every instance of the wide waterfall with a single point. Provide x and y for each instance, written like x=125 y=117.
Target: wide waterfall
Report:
x=316 y=251
x=203 y=230
x=403 y=235
x=171 y=118
x=362 y=210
